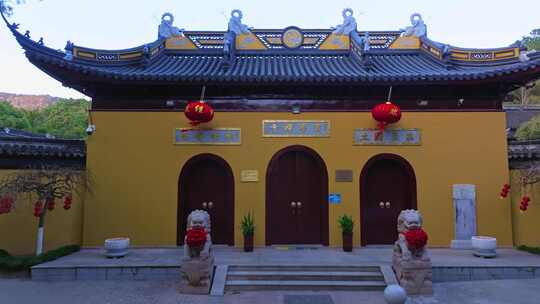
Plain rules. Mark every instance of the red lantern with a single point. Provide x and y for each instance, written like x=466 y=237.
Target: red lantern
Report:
x=385 y=113
x=199 y=112
x=416 y=238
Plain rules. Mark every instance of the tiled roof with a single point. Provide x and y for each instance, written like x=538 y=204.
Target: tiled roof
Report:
x=383 y=67
x=524 y=150
x=9 y=132
x=17 y=143
x=156 y=62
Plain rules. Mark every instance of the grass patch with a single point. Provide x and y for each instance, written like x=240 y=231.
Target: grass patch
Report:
x=533 y=250
x=11 y=263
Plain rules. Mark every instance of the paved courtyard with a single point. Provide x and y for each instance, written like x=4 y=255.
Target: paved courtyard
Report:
x=22 y=291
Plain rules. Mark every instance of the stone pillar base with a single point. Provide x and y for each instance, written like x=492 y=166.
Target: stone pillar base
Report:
x=197 y=275
x=461 y=244
x=414 y=275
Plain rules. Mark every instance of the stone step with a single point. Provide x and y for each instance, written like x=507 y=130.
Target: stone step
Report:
x=305 y=275
x=250 y=285
x=305 y=268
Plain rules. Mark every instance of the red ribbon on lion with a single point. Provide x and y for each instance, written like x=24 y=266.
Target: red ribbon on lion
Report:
x=196 y=237
x=416 y=238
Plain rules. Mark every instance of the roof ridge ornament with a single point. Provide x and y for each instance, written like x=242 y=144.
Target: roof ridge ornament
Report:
x=417 y=29
x=349 y=24
x=235 y=27
x=166 y=28
x=69 y=51
x=235 y=23
x=523 y=55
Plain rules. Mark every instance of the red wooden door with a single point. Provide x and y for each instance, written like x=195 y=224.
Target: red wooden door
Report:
x=206 y=184
x=386 y=189
x=296 y=199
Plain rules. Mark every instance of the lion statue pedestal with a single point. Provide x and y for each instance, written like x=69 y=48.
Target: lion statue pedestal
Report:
x=410 y=261
x=198 y=263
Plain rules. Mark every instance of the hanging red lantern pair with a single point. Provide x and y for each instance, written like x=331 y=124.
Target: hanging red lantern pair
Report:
x=505 y=190
x=6 y=204
x=67 y=202
x=38 y=206
x=524 y=204
x=385 y=114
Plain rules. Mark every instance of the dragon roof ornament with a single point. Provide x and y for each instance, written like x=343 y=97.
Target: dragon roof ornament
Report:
x=166 y=28
x=418 y=28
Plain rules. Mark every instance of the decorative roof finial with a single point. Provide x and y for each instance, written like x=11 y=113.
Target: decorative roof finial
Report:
x=349 y=23
x=166 y=28
x=40 y=42
x=418 y=28
x=27 y=34
x=366 y=42
x=69 y=51
x=235 y=23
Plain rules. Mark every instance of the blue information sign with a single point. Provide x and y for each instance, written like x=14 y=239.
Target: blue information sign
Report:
x=334 y=198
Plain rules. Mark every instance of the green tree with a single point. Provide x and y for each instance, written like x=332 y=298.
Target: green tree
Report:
x=528 y=95
x=10 y=117
x=66 y=118
x=529 y=129
x=532 y=42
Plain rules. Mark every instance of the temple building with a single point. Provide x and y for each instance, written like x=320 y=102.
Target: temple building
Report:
x=292 y=140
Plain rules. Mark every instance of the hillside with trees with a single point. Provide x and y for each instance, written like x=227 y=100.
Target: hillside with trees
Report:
x=66 y=118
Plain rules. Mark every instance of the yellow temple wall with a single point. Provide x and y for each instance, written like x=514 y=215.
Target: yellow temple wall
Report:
x=136 y=169
x=18 y=229
x=526 y=225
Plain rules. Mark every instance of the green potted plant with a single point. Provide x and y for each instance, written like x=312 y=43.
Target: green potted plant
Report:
x=248 y=228
x=347 y=224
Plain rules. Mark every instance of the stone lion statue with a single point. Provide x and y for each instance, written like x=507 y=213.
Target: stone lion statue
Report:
x=412 y=266
x=408 y=220
x=418 y=28
x=197 y=219
x=166 y=28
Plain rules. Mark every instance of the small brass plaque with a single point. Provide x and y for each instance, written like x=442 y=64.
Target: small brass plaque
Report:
x=249 y=176
x=344 y=176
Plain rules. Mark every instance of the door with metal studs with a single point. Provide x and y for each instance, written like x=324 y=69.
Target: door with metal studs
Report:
x=387 y=191
x=295 y=202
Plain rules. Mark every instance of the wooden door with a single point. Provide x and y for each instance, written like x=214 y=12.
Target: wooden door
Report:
x=297 y=190
x=206 y=183
x=387 y=187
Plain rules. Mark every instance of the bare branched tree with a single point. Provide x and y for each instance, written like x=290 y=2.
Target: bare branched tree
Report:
x=48 y=184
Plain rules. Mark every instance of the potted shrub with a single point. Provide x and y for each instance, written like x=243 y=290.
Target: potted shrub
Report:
x=247 y=230
x=346 y=223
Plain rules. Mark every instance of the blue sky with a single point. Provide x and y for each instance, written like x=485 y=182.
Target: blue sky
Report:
x=122 y=24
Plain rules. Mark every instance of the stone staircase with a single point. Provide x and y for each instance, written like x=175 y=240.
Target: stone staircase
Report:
x=303 y=277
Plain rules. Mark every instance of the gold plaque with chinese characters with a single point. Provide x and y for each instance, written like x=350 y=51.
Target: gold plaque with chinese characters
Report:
x=249 y=176
x=296 y=128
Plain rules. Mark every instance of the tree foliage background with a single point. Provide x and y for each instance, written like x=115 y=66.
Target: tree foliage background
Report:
x=67 y=118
